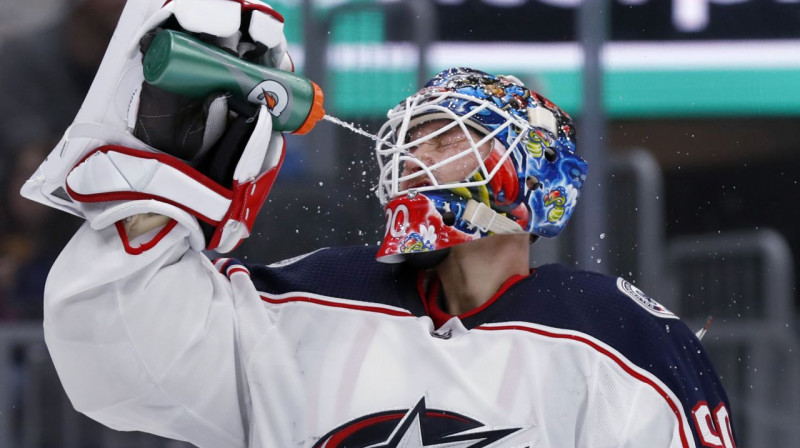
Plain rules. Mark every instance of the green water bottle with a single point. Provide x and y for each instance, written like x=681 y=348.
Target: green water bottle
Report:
x=182 y=64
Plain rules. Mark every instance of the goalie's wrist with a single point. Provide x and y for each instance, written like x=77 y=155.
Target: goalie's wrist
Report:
x=138 y=225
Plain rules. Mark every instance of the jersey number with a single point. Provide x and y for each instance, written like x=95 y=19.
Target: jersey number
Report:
x=714 y=427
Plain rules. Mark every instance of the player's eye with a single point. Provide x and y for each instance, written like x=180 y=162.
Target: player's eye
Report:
x=451 y=141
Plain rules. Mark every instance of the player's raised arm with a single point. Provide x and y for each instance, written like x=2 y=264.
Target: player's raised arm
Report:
x=145 y=342
x=140 y=325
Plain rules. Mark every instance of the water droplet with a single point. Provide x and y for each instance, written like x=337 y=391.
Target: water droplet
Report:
x=602 y=236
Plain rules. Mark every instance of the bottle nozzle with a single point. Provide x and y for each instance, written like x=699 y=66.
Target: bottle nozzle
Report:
x=315 y=114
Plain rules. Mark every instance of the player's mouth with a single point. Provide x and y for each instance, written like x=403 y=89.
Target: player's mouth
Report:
x=417 y=183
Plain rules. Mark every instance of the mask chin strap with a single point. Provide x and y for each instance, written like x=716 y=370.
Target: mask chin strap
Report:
x=484 y=218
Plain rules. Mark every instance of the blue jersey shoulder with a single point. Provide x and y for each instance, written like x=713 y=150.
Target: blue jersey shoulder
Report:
x=580 y=300
x=623 y=317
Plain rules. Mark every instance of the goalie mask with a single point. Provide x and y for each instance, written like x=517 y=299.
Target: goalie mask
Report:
x=471 y=155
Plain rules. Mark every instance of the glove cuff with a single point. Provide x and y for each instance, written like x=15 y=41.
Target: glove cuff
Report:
x=114 y=182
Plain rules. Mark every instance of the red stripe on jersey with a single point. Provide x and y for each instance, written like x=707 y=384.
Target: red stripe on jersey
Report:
x=316 y=301
x=236 y=269
x=221 y=264
x=628 y=369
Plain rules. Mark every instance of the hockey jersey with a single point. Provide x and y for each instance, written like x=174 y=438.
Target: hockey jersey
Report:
x=333 y=349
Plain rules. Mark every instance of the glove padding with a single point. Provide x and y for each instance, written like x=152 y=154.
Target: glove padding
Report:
x=114 y=182
x=183 y=127
x=112 y=161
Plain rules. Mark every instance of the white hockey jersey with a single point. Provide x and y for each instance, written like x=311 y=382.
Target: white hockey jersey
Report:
x=334 y=349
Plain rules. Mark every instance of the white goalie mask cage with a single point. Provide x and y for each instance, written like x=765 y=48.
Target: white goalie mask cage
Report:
x=395 y=146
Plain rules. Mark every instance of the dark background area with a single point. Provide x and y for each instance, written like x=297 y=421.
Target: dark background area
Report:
x=476 y=20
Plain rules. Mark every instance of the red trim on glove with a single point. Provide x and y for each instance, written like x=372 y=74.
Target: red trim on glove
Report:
x=249 y=6
x=166 y=159
x=123 y=235
x=135 y=195
x=258 y=6
x=248 y=198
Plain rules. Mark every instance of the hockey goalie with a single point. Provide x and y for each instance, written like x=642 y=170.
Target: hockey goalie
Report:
x=443 y=336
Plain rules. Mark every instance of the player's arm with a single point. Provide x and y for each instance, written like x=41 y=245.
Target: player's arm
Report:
x=146 y=342
x=674 y=397
x=691 y=400
x=140 y=326
x=704 y=401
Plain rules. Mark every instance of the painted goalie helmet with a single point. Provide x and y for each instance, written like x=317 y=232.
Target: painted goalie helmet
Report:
x=471 y=155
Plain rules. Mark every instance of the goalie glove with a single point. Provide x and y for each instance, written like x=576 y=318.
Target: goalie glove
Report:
x=206 y=170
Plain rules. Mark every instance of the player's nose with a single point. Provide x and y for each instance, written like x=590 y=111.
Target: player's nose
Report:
x=426 y=152
x=420 y=158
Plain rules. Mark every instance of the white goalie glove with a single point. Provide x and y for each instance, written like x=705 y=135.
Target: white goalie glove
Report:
x=207 y=163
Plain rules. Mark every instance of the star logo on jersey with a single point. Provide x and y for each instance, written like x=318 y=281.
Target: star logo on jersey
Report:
x=419 y=427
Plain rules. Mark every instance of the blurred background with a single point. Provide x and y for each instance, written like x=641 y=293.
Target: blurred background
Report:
x=688 y=112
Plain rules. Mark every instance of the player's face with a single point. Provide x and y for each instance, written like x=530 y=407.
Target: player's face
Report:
x=439 y=148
